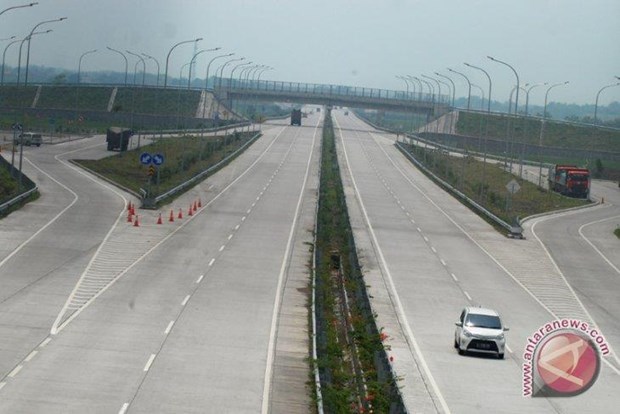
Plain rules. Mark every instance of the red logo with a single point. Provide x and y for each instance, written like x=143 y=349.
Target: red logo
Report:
x=567 y=364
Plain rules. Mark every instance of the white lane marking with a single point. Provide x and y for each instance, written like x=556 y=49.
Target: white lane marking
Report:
x=253 y=205
x=230 y=236
x=433 y=249
x=426 y=239
x=243 y=218
x=169 y=328
x=443 y=262
x=49 y=223
x=237 y=227
x=185 y=300
x=15 y=371
x=211 y=262
x=508 y=348
x=278 y=299
x=200 y=278
x=467 y=295
x=257 y=198
x=419 y=230
x=55 y=328
x=592 y=244
x=124 y=408
x=31 y=355
x=149 y=362
x=454 y=277
x=570 y=288
x=222 y=247
x=2 y=384
x=249 y=210
x=404 y=322
x=45 y=342
x=412 y=221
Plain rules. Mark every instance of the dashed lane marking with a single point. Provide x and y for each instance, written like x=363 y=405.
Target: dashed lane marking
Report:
x=149 y=362
x=185 y=300
x=169 y=328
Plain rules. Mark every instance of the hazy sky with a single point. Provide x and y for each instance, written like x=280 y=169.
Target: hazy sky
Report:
x=351 y=42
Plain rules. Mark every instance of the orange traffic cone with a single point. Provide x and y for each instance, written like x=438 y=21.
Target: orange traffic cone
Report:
x=129 y=216
x=195 y=206
x=190 y=212
x=159 y=221
x=171 y=219
x=199 y=203
x=180 y=214
x=136 y=223
x=129 y=206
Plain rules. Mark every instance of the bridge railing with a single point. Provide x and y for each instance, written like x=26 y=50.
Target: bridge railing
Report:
x=315 y=89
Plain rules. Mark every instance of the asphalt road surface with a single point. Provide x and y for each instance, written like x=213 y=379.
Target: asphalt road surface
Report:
x=426 y=257
x=203 y=314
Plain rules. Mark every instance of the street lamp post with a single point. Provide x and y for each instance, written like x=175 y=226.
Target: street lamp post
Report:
x=140 y=59
x=156 y=62
x=12 y=43
x=597 y=96
x=221 y=70
x=406 y=83
x=29 y=37
x=542 y=129
x=516 y=76
x=80 y=63
x=527 y=96
x=490 y=84
x=124 y=57
x=209 y=66
x=469 y=86
x=168 y=57
x=17 y=7
x=189 y=80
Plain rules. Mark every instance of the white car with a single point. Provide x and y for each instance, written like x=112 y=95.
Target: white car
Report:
x=480 y=330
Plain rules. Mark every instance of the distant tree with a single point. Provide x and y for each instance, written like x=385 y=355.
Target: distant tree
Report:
x=59 y=79
x=598 y=168
x=572 y=118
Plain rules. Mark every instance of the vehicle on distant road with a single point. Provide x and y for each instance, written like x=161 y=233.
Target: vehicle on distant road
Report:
x=570 y=180
x=29 y=138
x=480 y=330
x=296 y=117
x=118 y=138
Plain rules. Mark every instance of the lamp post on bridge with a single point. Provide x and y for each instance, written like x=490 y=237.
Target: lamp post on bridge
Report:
x=490 y=84
x=469 y=87
x=189 y=80
x=12 y=43
x=411 y=79
x=542 y=128
x=209 y=66
x=157 y=63
x=124 y=57
x=168 y=57
x=29 y=38
x=597 y=96
x=140 y=59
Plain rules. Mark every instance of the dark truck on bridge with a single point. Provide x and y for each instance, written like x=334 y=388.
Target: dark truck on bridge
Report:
x=118 y=138
x=296 y=117
x=570 y=180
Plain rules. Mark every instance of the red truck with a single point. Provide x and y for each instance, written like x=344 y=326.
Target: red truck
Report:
x=570 y=180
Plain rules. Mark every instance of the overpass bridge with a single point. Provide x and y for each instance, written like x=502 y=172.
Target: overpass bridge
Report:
x=229 y=90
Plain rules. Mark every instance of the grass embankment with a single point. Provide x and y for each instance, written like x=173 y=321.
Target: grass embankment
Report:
x=486 y=184
x=185 y=157
x=340 y=383
x=617 y=232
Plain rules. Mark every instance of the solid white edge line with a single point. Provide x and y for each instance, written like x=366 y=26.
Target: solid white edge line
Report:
x=55 y=330
x=508 y=348
x=169 y=328
x=149 y=362
x=592 y=244
x=278 y=299
x=399 y=306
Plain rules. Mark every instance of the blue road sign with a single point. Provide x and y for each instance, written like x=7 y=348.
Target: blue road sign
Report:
x=145 y=158
x=158 y=159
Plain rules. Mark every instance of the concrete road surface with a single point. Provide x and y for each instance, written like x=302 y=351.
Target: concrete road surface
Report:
x=425 y=257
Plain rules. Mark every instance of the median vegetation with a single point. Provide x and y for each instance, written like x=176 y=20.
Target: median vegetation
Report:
x=184 y=158
x=486 y=184
x=355 y=375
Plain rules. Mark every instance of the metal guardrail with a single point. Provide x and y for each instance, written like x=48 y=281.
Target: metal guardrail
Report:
x=18 y=199
x=152 y=202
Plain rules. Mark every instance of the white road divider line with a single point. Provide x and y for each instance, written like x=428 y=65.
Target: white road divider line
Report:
x=185 y=300
x=243 y=218
x=222 y=247
x=149 y=362
x=200 y=279
x=454 y=277
x=211 y=262
x=230 y=236
x=467 y=295
x=124 y=408
x=443 y=262
x=237 y=227
x=169 y=328
x=433 y=249
x=45 y=342
x=15 y=371
x=31 y=355
x=400 y=312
